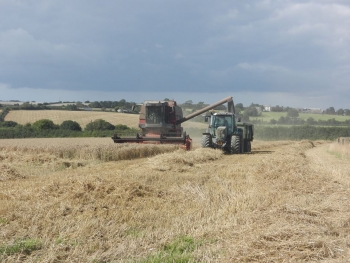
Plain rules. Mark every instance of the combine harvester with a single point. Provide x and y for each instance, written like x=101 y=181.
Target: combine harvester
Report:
x=160 y=123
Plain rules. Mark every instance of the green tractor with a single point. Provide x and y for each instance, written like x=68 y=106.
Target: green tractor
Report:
x=227 y=133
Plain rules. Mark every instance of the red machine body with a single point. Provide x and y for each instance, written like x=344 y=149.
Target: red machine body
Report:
x=159 y=124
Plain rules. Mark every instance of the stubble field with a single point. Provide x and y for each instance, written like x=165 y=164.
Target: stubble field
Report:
x=88 y=200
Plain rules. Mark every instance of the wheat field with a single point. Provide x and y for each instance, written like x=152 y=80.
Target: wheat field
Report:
x=89 y=200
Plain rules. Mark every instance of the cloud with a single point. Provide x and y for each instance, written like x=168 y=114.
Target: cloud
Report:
x=137 y=46
x=263 y=67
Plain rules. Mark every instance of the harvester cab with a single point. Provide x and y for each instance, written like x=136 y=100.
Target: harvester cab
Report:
x=159 y=117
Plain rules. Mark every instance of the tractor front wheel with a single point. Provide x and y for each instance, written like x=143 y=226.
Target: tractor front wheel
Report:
x=206 y=141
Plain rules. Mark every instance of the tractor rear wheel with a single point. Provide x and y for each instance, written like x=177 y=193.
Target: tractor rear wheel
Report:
x=235 y=144
x=206 y=141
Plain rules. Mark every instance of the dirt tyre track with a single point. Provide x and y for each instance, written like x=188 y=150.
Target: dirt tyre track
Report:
x=304 y=206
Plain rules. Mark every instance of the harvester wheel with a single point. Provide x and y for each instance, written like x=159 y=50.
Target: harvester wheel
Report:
x=235 y=144
x=206 y=141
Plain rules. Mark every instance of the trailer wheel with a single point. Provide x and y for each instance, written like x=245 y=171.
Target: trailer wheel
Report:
x=206 y=141
x=235 y=144
x=247 y=147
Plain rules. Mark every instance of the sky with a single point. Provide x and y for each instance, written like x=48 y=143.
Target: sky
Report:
x=283 y=52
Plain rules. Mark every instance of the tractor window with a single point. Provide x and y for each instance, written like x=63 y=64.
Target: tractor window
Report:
x=228 y=123
x=222 y=120
x=154 y=114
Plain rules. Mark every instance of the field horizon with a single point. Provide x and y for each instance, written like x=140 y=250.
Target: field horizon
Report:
x=131 y=120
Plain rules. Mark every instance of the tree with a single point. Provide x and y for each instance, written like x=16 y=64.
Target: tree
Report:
x=239 y=106
x=277 y=109
x=27 y=106
x=166 y=99
x=292 y=113
x=311 y=121
x=121 y=127
x=122 y=102
x=8 y=124
x=70 y=125
x=95 y=104
x=282 y=120
x=251 y=112
x=340 y=112
x=44 y=124
x=273 y=121
x=71 y=107
x=200 y=105
x=330 y=110
x=99 y=125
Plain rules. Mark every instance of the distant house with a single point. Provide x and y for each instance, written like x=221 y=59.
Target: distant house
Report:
x=312 y=110
x=267 y=108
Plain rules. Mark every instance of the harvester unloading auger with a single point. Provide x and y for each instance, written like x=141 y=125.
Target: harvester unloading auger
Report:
x=160 y=123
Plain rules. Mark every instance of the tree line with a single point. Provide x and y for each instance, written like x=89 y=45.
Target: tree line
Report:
x=100 y=128
x=46 y=128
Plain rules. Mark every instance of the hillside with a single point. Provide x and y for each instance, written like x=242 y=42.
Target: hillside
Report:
x=62 y=200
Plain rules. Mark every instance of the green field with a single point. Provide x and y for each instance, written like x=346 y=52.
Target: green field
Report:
x=267 y=116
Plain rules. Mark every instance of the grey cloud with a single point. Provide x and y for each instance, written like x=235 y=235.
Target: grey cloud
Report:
x=264 y=46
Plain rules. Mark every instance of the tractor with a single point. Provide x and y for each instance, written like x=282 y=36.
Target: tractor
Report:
x=228 y=133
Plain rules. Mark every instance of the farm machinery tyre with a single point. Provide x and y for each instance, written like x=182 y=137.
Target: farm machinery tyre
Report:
x=206 y=141
x=249 y=144
x=235 y=144
x=247 y=147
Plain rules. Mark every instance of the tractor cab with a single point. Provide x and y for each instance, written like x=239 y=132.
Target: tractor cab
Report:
x=221 y=128
x=222 y=120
